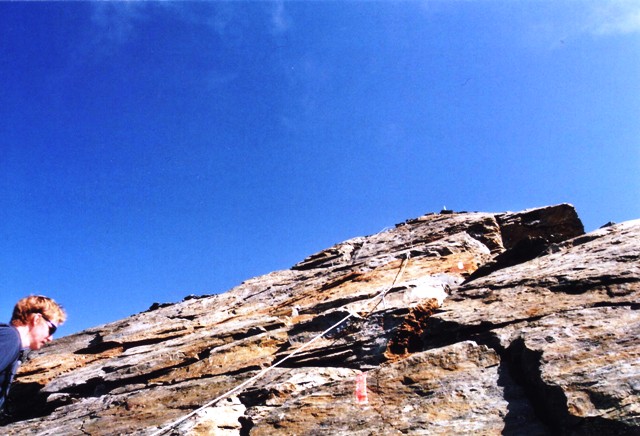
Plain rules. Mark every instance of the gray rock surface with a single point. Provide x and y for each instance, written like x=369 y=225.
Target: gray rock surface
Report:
x=460 y=323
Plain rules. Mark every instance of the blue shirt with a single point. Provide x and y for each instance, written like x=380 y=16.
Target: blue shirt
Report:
x=10 y=348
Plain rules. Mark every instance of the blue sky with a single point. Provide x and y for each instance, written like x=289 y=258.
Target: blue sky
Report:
x=152 y=150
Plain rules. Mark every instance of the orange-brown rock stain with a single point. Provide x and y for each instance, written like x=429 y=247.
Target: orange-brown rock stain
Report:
x=408 y=337
x=369 y=283
x=43 y=369
x=256 y=352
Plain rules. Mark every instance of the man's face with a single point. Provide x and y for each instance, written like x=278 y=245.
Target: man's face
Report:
x=40 y=331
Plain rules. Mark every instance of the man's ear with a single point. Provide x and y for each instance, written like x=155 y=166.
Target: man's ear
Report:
x=33 y=317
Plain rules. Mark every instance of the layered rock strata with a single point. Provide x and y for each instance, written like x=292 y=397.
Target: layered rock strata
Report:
x=458 y=323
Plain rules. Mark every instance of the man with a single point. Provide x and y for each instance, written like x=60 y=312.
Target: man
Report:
x=33 y=323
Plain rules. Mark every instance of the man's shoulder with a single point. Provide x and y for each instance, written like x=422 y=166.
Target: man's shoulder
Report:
x=9 y=337
x=9 y=347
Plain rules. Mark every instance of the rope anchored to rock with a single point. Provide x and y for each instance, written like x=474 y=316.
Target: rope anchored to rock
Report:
x=380 y=297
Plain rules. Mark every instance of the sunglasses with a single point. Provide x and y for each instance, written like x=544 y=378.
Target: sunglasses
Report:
x=52 y=326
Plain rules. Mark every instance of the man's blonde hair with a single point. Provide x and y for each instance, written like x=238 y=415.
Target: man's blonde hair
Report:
x=45 y=306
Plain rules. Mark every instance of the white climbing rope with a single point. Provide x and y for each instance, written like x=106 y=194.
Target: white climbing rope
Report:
x=382 y=294
x=247 y=382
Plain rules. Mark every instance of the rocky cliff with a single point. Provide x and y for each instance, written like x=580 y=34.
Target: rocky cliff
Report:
x=450 y=323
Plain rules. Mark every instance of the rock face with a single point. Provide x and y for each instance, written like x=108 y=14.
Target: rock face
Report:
x=451 y=323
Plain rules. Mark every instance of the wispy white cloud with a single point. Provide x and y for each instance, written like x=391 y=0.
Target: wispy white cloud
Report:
x=559 y=24
x=280 y=20
x=614 y=17
x=116 y=22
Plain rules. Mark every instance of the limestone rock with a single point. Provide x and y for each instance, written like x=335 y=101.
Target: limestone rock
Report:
x=460 y=323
